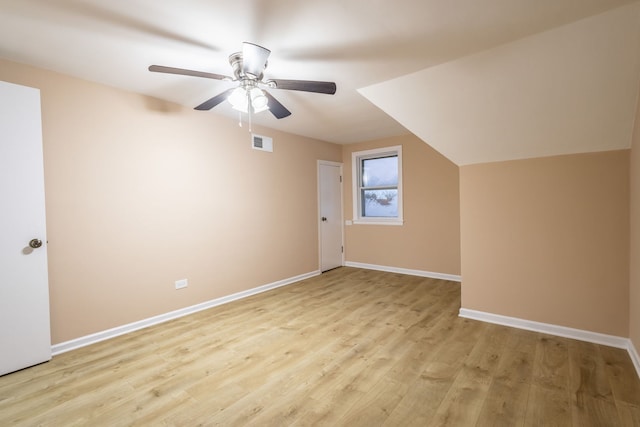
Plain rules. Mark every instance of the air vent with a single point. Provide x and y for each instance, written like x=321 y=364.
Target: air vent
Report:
x=263 y=143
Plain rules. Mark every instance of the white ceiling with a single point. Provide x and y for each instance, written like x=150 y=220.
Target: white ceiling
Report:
x=356 y=43
x=571 y=89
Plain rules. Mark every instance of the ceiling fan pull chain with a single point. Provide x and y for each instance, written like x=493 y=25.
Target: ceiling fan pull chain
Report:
x=249 y=108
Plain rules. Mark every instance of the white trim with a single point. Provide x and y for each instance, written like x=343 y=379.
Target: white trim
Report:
x=125 y=329
x=560 y=331
x=421 y=273
x=547 y=328
x=634 y=357
x=377 y=221
x=329 y=163
x=355 y=187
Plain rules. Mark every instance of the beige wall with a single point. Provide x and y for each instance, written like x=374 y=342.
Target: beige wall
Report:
x=547 y=240
x=429 y=240
x=634 y=291
x=141 y=193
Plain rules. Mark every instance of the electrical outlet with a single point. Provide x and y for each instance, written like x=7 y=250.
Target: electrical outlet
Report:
x=180 y=284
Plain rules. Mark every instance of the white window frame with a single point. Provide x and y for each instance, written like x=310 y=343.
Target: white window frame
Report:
x=356 y=183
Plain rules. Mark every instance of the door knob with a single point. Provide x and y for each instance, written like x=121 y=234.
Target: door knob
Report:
x=324 y=218
x=35 y=243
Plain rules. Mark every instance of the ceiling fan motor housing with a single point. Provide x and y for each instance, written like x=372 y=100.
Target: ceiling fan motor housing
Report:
x=235 y=60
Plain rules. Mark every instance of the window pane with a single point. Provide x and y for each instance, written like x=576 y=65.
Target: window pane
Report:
x=380 y=171
x=380 y=203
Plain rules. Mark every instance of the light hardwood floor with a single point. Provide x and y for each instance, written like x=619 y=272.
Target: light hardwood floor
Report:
x=350 y=347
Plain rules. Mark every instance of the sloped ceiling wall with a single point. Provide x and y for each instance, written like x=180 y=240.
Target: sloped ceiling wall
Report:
x=568 y=90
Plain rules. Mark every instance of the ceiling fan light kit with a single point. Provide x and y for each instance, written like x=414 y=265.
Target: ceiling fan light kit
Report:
x=250 y=95
x=241 y=98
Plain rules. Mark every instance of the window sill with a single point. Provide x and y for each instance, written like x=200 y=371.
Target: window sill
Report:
x=378 y=221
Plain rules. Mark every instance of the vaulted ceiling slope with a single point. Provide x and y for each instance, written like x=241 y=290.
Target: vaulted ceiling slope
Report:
x=356 y=43
x=571 y=89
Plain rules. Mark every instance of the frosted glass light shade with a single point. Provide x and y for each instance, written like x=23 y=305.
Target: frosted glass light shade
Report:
x=238 y=99
x=259 y=101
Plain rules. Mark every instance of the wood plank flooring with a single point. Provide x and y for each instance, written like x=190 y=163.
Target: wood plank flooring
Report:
x=350 y=347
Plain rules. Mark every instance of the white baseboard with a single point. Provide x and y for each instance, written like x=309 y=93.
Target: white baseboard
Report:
x=421 y=273
x=561 y=331
x=547 y=328
x=125 y=329
x=634 y=356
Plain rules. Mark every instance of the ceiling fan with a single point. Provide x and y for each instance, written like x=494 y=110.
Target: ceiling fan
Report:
x=248 y=70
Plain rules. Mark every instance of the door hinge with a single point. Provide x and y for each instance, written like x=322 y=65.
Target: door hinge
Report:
x=342 y=249
x=340 y=178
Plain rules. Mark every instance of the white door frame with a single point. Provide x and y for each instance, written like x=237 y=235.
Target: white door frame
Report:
x=340 y=165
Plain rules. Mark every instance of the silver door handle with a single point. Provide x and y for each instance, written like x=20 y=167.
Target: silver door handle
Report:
x=35 y=243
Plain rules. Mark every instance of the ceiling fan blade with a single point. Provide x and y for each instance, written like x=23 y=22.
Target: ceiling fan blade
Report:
x=277 y=109
x=209 y=104
x=305 y=85
x=182 y=71
x=254 y=59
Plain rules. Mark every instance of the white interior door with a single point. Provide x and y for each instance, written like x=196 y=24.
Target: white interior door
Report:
x=330 y=212
x=25 y=337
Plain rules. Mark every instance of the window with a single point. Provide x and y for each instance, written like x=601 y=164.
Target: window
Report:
x=377 y=186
